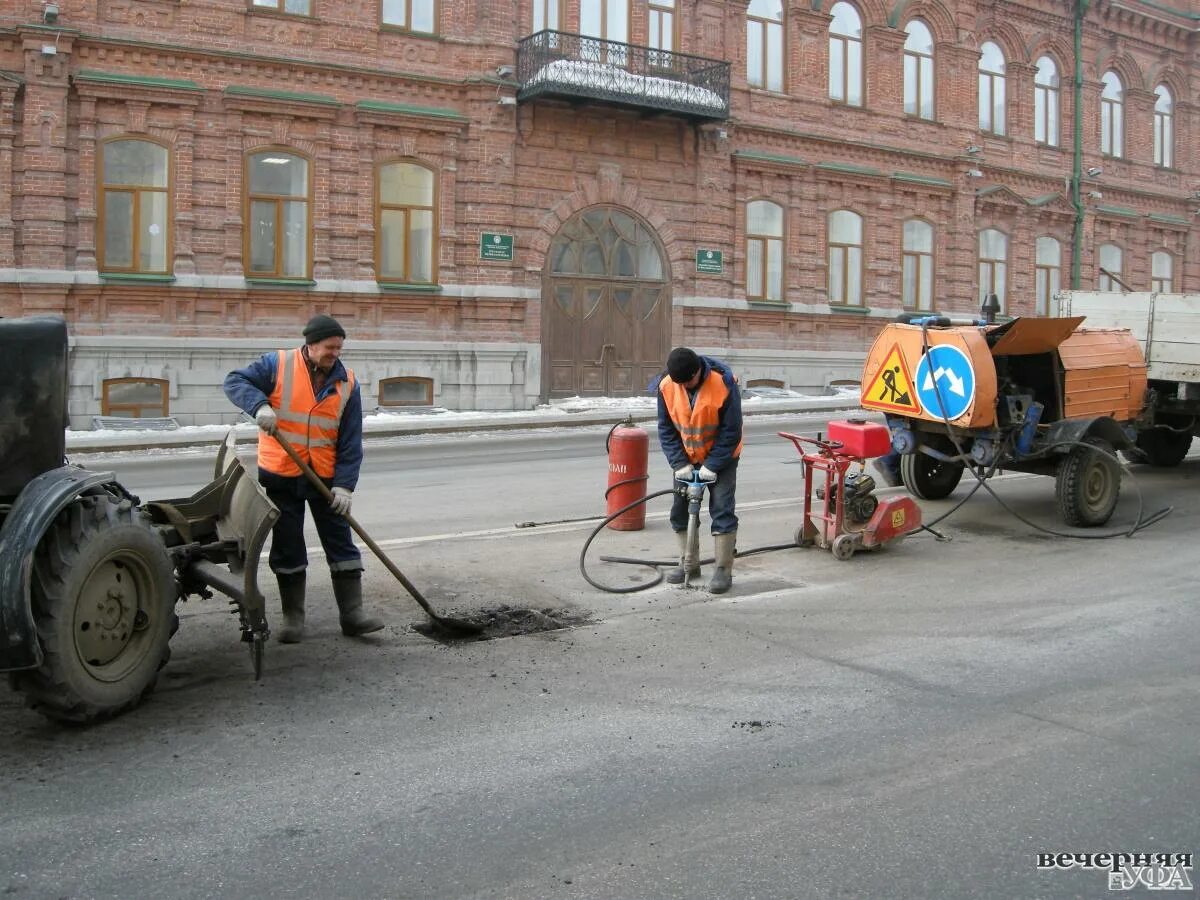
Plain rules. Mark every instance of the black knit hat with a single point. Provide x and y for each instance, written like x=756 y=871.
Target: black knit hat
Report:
x=321 y=327
x=683 y=364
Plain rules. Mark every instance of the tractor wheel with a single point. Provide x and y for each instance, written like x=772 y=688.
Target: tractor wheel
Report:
x=104 y=600
x=1088 y=484
x=929 y=478
x=1163 y=447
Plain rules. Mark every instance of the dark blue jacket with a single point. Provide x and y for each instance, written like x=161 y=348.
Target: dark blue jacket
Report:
x=729 y=435
x=249 y=388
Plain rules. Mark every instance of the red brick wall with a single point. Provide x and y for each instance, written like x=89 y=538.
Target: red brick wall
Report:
x=527 y=169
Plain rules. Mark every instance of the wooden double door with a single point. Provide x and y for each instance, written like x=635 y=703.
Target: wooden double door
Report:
x=606 y=307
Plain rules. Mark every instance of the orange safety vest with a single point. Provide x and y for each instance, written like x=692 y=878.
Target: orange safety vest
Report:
x=310 y=427
x=697 y=422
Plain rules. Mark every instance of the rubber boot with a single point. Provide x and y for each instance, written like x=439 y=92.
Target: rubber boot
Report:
x=347 y=590
x=677 y=575
x=291 y=599
x=722 y=578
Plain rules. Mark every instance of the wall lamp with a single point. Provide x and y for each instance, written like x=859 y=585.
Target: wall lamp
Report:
x=507 y=101
x=1095 y=195
x=504 y=71
x=974 y=173
x=1095 y=171
x=50 y=13
x=972 y=150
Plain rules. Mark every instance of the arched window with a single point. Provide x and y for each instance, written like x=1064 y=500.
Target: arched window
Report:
x=411 y=15
x=1112 y=116
x=278 y=228
x=846 y=55
x=664 y=31
x=134 y=398
x=845 y=244
x=405 y=231
x=1046 y=86
x=290 y=7
x=916 y=266
x=547 y=15
x=1110 y=260
x=134 y=219
x=764 y=250
x=993 y=265
x=991 y=88
x=1162 y=272
x=1047 y=272
x=1164 y=127
x=918 y=70
x=764 y=44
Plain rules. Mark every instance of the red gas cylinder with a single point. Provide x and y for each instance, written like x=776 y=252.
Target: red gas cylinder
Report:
x=628 y=451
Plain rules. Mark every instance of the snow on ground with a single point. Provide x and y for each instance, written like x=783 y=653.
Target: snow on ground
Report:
x=753 y=400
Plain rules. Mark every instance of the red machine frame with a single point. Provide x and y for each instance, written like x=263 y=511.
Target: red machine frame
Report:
x=827 y=527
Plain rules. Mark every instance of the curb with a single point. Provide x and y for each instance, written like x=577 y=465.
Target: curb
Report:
x=79 y=442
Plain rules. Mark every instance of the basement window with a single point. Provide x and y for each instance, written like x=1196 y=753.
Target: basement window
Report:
x=406 y=390
x=134 y=398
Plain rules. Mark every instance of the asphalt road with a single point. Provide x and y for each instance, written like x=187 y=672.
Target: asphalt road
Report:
x=919 y=722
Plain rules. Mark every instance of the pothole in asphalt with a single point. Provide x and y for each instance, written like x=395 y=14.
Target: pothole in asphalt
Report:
x=503 y=620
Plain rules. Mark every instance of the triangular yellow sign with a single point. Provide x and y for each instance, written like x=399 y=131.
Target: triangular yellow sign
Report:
x=892 y=387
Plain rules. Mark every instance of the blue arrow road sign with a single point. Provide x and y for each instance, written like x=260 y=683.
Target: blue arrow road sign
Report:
x=945 y=382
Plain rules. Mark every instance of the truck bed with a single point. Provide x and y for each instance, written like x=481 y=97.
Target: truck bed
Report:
x=1166 y=325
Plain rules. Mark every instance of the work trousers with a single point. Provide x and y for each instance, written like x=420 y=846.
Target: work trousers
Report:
x=720 y=503
x=288 y=554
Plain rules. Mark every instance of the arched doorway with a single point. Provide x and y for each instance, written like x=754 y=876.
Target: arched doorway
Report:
x=606 y=306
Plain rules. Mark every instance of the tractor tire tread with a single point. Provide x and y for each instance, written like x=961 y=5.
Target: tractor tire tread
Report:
x=46 y=688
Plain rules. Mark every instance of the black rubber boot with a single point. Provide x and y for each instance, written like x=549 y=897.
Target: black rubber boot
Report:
x=291 y=599
x=676 y=575
x=722 y=578
x=347 y=590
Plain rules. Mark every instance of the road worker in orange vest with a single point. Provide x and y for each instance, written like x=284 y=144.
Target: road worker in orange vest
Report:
x=700 y=427
x=309 y=396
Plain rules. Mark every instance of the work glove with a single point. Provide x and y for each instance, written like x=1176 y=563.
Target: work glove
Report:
x=707 y=474
x=266 y=419
x=686 y=473
x=340 y=503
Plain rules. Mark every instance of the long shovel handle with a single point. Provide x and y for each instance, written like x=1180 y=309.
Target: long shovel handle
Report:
x=451 y=624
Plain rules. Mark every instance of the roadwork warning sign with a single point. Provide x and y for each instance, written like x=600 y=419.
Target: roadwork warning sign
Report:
x=892 y=386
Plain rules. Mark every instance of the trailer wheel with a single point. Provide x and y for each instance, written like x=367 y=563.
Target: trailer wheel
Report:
x=1088 y=484
x=1163 y=447
x=104 y=600
x=929 y=478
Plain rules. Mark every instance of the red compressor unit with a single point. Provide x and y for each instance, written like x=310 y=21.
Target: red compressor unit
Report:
x=849 y=516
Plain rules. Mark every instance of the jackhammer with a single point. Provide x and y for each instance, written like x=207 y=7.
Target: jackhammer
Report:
x=693 y=490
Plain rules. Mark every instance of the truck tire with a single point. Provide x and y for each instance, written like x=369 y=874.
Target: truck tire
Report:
x=929 y=478
x=104 y=596
x=1088 y=484
x=1163 y=447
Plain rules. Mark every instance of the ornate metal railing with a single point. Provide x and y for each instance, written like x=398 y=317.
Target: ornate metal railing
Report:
x=572 y=66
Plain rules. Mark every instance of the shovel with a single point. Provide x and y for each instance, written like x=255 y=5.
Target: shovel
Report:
x=447 y=623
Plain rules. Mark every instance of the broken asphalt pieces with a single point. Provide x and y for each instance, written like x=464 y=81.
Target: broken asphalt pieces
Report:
x=503 y=620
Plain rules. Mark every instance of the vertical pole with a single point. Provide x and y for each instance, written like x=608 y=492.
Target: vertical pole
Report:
x=1081 y=7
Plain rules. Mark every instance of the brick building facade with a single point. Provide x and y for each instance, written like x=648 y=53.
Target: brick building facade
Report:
x=188 y=180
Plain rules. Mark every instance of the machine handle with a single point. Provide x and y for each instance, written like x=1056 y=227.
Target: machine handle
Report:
x=797 y=438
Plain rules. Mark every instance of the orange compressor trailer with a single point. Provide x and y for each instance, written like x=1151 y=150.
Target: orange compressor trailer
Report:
x=1034 y=395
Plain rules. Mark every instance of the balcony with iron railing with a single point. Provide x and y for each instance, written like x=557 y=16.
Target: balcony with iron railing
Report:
x=586 y=69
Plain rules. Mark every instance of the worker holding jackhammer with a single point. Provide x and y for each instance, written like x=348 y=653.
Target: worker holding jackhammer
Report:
x=700 y=425
x=308 y=395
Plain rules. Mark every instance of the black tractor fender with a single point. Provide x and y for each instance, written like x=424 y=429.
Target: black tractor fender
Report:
x=34 y=511
x=1061 y=435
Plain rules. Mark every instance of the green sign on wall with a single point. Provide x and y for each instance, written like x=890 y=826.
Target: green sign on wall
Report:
x=708 y=262
x=496 y=246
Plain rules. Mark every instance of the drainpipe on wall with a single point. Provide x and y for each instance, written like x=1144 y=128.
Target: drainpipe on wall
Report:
x=1081 y=7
